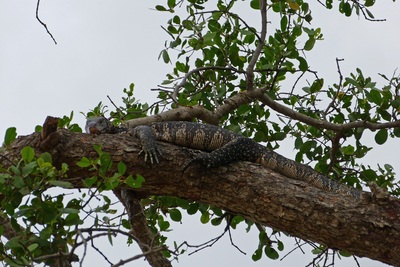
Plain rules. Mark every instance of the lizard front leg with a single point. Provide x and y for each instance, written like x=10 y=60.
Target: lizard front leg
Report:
x=148 y=142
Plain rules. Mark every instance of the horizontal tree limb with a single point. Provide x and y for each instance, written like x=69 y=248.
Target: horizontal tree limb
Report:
x=364 y=228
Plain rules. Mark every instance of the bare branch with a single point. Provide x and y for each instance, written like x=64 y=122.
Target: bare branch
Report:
x=41 y=22
x=321 y=124
x=260 y=45
x=145 y=254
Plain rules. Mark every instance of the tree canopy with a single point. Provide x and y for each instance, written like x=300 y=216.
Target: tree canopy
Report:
x=243 y=66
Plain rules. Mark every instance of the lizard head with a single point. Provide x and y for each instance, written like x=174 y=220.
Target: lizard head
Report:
x=97 y=125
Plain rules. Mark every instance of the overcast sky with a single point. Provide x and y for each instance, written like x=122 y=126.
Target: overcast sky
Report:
x=103 y=46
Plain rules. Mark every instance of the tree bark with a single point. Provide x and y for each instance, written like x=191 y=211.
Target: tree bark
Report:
x=366 y=228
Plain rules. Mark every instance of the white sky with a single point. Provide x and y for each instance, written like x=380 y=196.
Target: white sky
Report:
x=103 y=46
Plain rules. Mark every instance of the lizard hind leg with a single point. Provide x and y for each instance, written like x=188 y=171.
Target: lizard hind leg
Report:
x=239 y=149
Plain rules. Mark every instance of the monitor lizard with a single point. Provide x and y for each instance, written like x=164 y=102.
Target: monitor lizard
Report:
x=223 y=146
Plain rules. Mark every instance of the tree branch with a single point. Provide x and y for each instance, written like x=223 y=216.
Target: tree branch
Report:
x=260 y=45
x=43 y=24
x=247 y=189
x=178 y=114
x=321 y=124
x=190 y=73
x=140 y=230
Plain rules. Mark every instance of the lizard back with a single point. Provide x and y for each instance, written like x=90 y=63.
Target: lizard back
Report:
x=205 y=137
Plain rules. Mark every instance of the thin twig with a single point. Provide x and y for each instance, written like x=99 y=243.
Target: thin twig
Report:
x=41 y=22
x=320 y=124
x=190 y=73
x=339 y=87
x=153 y=250
x=363 y=8
x=260 y=45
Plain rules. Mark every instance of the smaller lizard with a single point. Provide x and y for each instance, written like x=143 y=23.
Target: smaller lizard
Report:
x=223 y=146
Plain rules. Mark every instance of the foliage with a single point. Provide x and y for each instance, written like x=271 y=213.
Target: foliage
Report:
x=214 y=47
x=216 y=52
x=45 y=224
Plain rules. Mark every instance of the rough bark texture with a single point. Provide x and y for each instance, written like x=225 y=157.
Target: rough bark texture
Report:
x=366 y=228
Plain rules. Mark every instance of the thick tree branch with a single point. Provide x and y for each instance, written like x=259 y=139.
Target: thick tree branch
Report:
x=178 y=114
x=257 y=193
x=140 y=230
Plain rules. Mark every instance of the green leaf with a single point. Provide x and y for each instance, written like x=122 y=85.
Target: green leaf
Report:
x=73 y=219
x=193 y=208
x=381 y=136
x=105 y=163
x=369 y=3
x=161 y=8
x=205 y=217
x=171 y=4
x=98 y=148
x=284 y=23
x=121 y=168
x=348 y=150
x=38 y=128
x=213 y=25
x=32 y=247
x=64 y=168
x=303 y=65
x=126 y=224
x=28 y=154
x=164 y=225
x=344 y=254
x=369 y=13
x=280 y=246
x=84 y=162
x=135 y=183
x=257 y=255
x=11 y=134
x=165 y=56
x=18 y=182
x=309 y=44
x=46 y=157
x=368 y=175
x=255 y=4
x=271 y=253
x=88 y=182
x=396 y=131
x=316 y=251
x=375 y=96
x=345 y=8
x=175 y=215
x=62 y=184
x=176 y=19
x=28 y=168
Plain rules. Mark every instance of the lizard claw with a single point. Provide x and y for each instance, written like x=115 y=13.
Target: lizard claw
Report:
x=197 y=159
x=151 y=154
x=183 y=169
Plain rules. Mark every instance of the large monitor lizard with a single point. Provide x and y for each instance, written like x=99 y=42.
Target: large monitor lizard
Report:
x=223 y=146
